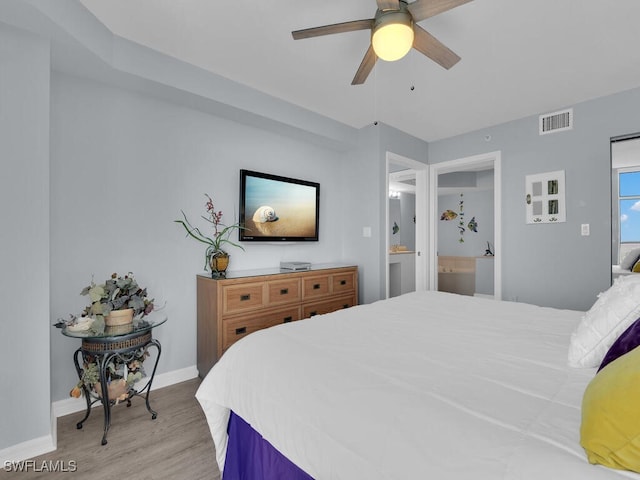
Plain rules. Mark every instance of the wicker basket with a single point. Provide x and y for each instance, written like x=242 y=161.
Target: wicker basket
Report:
x=119 y=317
x=115 y=330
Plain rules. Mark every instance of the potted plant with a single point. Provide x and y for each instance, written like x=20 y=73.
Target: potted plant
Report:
x=117 y=300
x=215 y=255
x=116 y=295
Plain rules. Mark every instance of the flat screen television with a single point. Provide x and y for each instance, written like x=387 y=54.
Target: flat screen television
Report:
x=278 y=209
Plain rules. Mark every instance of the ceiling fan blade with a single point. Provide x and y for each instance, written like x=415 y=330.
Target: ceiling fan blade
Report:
x=430 y=46
x=388 y=5
x=331 y=29
x=421 y=9
x=365 y=67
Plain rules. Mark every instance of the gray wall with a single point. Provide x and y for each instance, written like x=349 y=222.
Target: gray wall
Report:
x=138 y=161
x=552 y=264
x=24 y=236
x=366 y=201
x=123 y=165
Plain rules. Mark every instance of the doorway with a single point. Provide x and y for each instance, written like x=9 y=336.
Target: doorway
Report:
x=406 y=225
x=440 y=173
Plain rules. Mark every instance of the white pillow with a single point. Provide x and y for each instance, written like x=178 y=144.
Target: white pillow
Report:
x=611 y=314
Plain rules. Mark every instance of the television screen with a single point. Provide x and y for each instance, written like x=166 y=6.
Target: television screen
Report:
x=274 y=208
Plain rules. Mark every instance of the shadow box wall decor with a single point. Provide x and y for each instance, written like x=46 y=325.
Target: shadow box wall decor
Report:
x=545 y=198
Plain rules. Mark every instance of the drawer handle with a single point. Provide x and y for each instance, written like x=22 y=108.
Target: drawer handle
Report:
x=313 y=314
x=343 y=282
x=241 y=330
x=316 y=286
x=245 y=297
x=287 y=319
x=284 y=291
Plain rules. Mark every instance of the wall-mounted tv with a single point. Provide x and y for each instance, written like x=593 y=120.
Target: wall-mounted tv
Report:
x=278 y=209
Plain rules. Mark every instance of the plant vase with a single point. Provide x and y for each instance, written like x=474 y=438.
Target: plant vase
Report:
x=219 y=262
x=117 y=390
x=114 y=330
x=119 y=317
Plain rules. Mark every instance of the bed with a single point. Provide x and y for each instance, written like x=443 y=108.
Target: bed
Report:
x=425 y=385
x=617 y=270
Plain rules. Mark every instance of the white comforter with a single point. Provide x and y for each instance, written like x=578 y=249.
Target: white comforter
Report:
x=426 y=385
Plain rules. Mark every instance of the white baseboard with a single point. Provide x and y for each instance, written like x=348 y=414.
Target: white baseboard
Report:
x=28 y=449
x=176 y=376
x=39 y=446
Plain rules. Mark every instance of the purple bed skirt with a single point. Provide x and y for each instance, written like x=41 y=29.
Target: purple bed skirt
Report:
x=251 y=457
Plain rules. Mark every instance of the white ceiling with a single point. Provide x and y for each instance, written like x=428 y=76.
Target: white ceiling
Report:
x=518 y=57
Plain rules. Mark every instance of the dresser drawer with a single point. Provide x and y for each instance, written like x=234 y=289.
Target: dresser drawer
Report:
x=284 y=315
x=236 y=328
x=318 y=308
x=315 y=286
x=343 y=282
x=243 y=297
x=229 y=308
x=284 y=291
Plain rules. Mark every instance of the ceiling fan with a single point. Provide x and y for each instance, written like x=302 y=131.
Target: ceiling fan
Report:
x=394 y=30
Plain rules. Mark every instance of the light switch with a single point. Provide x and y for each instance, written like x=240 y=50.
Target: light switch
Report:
x=366 y=231
x=584 y=230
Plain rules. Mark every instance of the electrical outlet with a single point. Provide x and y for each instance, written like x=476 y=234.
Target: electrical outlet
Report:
x=584 y=230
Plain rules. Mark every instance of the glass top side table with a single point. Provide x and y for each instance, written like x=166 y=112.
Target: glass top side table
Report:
x=111 y=354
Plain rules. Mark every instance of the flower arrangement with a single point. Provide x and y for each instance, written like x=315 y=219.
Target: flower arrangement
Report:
x=220 y=237
x=116 y=293
x=122 y=372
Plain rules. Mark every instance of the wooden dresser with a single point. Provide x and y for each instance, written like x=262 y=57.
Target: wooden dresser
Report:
x=244 y=302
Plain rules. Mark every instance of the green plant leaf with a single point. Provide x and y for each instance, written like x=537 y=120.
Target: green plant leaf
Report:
x=96 y=293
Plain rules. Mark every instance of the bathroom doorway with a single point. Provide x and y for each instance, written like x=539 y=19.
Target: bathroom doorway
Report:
x=406 y=225
x=459 y=218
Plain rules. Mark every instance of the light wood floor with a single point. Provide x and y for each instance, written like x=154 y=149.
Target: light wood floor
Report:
x=177 y=444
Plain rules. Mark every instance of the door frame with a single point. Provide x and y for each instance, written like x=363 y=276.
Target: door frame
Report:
x=422 y=223
x=462 y=164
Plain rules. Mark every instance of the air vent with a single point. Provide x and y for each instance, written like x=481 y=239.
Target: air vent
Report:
x=556 y=121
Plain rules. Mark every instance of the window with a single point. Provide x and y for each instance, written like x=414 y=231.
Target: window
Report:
x=629 y=206
x=629 y=209
x=625 y=196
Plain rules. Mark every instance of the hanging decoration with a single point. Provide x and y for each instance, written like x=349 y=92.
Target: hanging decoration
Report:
x=461 y=220
x=473 y=225
x=448 y=215
x=395 y=229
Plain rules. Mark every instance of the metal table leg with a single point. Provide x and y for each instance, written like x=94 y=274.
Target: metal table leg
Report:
x=103 y=360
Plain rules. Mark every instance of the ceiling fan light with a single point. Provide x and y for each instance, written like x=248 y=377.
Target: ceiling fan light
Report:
x=392 y=37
